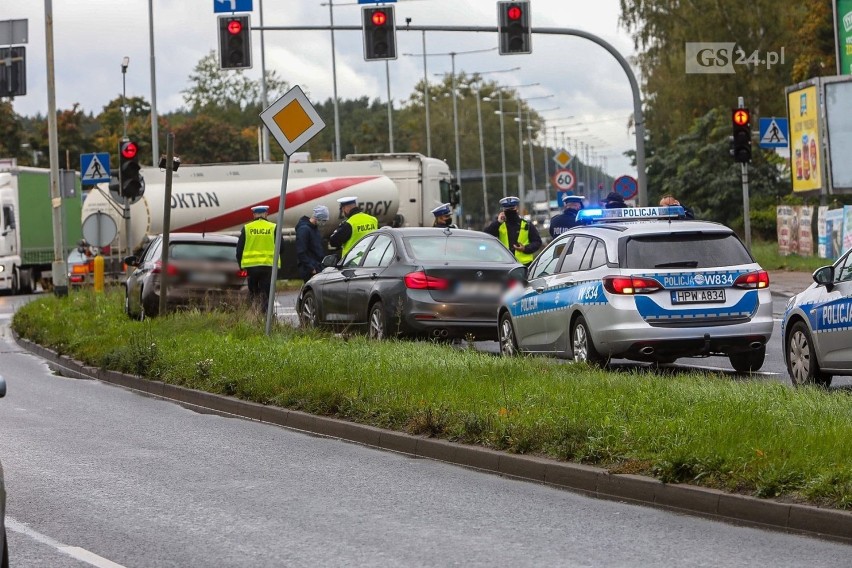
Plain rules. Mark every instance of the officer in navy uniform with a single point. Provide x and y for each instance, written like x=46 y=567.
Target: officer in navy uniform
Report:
x=614 y=201
x=444 y=217
x=568 y=218
x=517 y=234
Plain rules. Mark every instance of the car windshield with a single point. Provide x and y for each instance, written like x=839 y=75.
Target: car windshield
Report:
x=203 y=251
x=441 y=248
x=685 y=250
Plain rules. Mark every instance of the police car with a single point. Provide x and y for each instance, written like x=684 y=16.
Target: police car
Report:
x=817 y=327
x=643 y=284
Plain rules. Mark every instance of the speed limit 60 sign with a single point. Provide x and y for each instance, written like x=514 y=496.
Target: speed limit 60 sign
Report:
x=564 y=179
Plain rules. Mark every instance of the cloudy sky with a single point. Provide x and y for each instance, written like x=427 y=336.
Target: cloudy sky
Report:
x=580 y=78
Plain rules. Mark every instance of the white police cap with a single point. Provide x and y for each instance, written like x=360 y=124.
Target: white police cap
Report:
x=348 y=200
x=509 y=202
x=260 y=209
x=441 y=210
x=567 y=198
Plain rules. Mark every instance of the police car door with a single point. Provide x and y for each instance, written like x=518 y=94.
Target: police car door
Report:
x=369 y=276
x=528 y=317
x=834 y=319
x=562 y=290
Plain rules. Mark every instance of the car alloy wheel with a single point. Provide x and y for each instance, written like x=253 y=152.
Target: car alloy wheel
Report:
x=508 y=342
x=801 y=359
x=582 y=346
x=308 y=314
x=377 y=325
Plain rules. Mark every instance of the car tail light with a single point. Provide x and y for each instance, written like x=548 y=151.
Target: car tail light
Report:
x=751 y=280
x=75 y=278
x=158 y=268
x=79 y=269
x=630 y=285
x=420 y=281
x=242 y=273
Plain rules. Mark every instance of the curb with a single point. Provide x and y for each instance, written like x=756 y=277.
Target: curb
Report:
x=588 y=480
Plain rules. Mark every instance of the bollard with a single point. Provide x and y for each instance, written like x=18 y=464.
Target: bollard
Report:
x=99 y=274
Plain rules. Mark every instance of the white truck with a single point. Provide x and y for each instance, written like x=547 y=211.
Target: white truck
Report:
x=398 y=189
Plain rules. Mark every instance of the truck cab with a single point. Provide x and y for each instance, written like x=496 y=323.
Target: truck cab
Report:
x=10 y=240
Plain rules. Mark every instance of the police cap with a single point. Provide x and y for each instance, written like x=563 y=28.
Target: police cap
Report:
x=441 y=210
x=509 y=202
x=348 y=201
x=259 y=209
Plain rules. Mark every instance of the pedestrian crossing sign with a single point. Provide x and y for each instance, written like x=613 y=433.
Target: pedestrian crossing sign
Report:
x=773 y=133
x=94 y=168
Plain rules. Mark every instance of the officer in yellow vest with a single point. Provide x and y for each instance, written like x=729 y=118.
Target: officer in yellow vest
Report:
x=356 y=225
x=255 y=252
x=517 y=234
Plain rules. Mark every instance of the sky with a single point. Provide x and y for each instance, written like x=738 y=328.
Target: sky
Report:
x=582 y=90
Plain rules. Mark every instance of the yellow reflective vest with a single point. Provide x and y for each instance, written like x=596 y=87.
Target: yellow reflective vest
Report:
x=259 y=248
x=362 y=224
x=523 y=239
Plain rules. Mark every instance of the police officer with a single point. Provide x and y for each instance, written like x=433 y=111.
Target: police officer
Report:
x=444 y=216
x=518 y=235
x=309 y=249
x=568 y=218
x=255 y=252
x=669 y=200
x=355 y=225
x=614 y=201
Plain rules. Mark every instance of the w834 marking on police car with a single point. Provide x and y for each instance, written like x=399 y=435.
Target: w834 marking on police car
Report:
x=697 y=279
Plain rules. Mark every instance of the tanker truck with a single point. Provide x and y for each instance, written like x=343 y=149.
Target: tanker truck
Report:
x=398 y=189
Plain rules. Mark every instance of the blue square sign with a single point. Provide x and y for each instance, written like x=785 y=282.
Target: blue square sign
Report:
x=94 y=168
x=231 y=6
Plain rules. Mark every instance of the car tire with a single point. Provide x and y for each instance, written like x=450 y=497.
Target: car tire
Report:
x=582 y=346
x=377 y=325
x=308 y=315
x=802 y=364
x=748 y=361
x=507 y=338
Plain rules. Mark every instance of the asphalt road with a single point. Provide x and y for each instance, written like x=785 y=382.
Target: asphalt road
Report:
x=100 y=476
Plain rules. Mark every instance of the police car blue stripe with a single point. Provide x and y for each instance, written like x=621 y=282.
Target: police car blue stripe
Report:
x=649 y=309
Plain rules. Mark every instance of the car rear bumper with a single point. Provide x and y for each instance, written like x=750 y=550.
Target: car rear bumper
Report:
x=424 y=316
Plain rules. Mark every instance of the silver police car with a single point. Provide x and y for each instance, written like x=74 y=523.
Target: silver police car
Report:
x=643 y=284
x=817 y=327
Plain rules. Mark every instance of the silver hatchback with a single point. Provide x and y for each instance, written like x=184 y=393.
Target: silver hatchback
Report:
x=817 y=327
x=641 y=284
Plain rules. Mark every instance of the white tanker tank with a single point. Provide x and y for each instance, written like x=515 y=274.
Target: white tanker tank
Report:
x=218 y=198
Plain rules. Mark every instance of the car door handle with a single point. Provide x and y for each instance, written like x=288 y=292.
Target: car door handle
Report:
x=539 y=289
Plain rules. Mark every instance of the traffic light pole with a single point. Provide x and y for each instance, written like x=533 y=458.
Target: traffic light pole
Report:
x=746 y=213
x=638 y=115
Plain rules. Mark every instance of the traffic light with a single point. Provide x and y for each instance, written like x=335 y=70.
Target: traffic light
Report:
x=514 y=27
x=379 y=27
x=234 y=42
x=741 y=139
x=132 y=184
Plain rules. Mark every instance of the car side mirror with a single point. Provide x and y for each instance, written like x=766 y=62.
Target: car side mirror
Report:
x=2 y=387
x=131 y=260
x=824 y=276
x=519 y=274
x=329 y=261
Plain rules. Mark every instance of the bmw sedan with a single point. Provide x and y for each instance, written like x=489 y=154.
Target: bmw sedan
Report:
x=643 y=284
x=432 y=282
x=202 y=272
x=817 y=327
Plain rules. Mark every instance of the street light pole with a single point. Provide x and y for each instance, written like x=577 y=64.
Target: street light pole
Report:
x=334 y=83
x=264 y=145
x=426 y=100
x=124 y=63
x=390 y=107
x=155 y=142
x=482 y=156
x=456 y=134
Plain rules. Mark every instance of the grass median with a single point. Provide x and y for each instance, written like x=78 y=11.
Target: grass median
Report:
x=749 y=436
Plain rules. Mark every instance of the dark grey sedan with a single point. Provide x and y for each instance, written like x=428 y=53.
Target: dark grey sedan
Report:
x=440 y=283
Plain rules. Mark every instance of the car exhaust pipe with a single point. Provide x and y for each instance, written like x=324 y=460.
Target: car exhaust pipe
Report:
x=440 y=333
x=647 y=350
x=755 y=344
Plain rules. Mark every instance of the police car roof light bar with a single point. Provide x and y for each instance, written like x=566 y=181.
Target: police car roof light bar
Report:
x=630 y=214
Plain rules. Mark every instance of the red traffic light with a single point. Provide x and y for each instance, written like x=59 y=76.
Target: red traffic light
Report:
x=128 y=150
x=379 y=18
x=741 y=117
x=235 y=27
x=514 y=13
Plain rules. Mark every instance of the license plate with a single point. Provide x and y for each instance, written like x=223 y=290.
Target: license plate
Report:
x=489 y=289
x=208 y=277
x=697 y=296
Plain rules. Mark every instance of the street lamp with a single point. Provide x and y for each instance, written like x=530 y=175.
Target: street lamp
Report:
x=502 y=131
x=522 y=195
x=124 y=63
x=530 y=144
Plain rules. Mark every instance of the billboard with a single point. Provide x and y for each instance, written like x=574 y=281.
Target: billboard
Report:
x=843 y=31
x=838 y=129
x=805 y=139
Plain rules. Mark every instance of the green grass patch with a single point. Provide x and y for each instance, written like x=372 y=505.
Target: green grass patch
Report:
x=766 y=255
x=755 y=437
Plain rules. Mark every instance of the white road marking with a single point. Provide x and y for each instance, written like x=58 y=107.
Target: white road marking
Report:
x=73 y=551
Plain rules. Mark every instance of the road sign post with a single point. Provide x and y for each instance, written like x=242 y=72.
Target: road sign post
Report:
x=293 y=121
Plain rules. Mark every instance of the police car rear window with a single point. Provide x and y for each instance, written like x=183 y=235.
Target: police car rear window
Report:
x=684 y=250
x=441 y=248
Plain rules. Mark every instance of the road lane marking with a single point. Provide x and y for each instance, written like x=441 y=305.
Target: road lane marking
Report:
x=73 y=551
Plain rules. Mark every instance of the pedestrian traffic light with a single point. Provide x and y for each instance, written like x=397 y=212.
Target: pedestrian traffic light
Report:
x=234 y=42
x=132 y=184
x=379 y=27
x=741 y=139
x=514 y=27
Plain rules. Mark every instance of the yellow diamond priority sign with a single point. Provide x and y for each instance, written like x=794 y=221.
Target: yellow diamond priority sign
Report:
x=292 y=120
x=562 y=158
